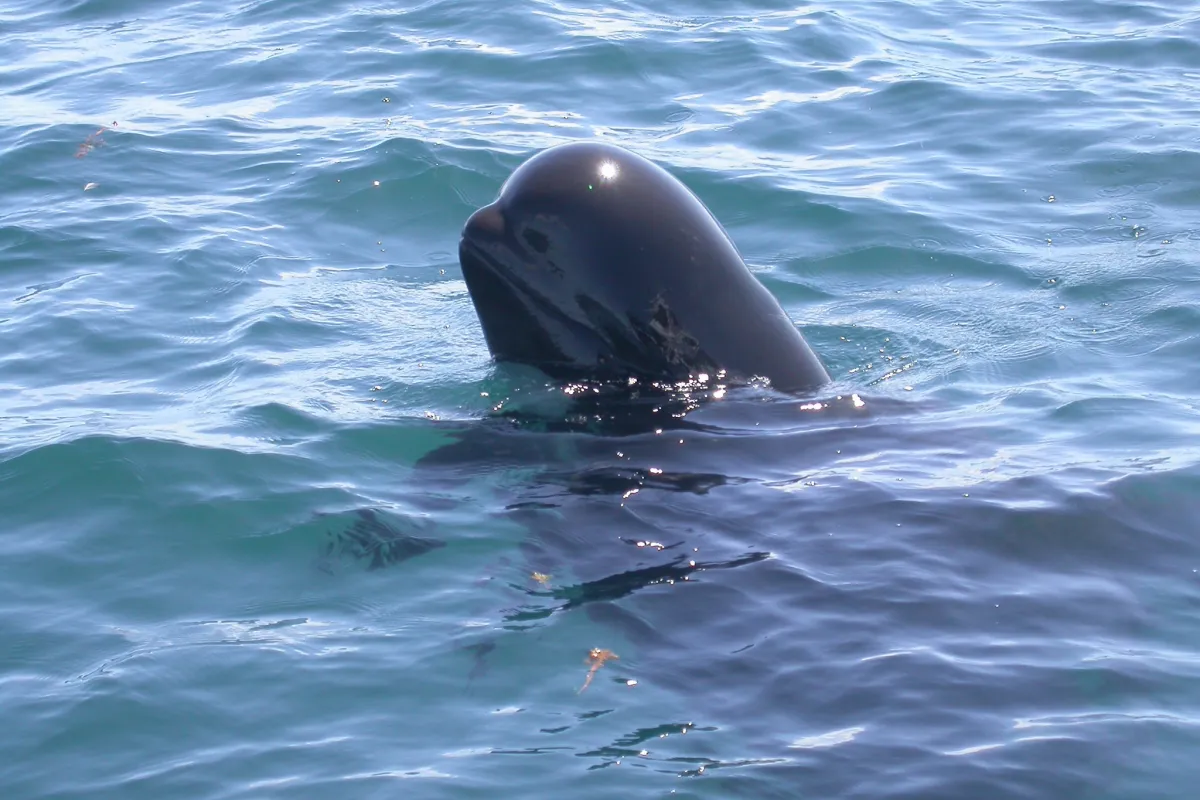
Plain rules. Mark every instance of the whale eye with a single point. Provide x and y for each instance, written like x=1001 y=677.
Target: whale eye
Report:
x=537 y=240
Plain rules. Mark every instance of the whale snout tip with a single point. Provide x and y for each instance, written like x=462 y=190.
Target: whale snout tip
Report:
x=487 y=223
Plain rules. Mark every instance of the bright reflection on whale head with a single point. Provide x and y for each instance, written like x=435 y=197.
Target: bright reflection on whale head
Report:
x=608 y=170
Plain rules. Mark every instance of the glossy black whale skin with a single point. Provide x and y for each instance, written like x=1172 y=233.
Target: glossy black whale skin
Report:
x=594 y=263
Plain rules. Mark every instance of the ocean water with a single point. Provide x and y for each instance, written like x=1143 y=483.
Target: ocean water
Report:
x=272 y=525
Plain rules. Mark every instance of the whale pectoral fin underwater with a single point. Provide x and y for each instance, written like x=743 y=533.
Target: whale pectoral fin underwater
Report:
x=595 y=263
x=613 y=587
x=370 y=540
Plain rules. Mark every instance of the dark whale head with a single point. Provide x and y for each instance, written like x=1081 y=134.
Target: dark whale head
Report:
x=595 y=263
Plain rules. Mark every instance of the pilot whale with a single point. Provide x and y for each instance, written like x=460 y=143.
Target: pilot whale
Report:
x=597 y=264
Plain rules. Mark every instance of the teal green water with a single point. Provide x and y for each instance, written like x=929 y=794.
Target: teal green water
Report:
x=261 y=534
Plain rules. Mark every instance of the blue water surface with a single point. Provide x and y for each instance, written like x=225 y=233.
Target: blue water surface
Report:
x=273 y=525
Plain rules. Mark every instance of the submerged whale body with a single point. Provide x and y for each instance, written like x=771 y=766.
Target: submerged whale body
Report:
x=594 y=263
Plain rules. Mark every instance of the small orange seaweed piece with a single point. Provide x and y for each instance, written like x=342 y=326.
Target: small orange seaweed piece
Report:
x=91 y=142
x=596 y=658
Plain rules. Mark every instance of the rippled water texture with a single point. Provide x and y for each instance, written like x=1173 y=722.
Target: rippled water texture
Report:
x=264 y=534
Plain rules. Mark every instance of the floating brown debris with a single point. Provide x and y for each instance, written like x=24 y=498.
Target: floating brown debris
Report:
x=596 y=658
x=92 y=142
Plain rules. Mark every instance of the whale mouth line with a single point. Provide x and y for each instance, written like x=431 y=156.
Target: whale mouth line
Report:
x=619 y=348
x=520 y=290
x=520 y=316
